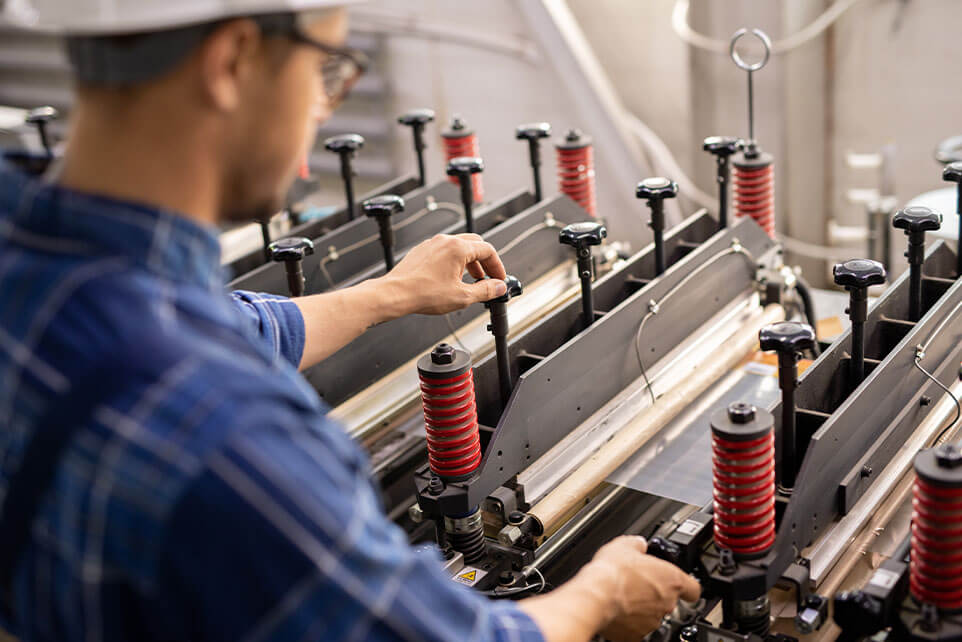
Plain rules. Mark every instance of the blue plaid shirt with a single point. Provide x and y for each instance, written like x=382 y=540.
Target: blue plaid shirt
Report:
x=214 y=501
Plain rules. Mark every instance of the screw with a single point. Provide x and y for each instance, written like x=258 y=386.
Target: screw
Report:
x=726 y=561
x=925 y=400
x=866 y=471
x=436 y=487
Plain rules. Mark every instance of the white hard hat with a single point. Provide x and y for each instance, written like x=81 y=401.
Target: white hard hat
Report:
x=108 y=17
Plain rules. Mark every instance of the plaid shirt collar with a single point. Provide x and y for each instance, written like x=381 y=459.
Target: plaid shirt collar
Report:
x=165 y=243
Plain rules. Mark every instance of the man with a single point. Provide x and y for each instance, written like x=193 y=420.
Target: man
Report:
x=204 y=495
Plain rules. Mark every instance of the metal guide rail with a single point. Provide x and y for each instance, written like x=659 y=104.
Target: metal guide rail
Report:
x=528 y=251
x=577 y=373
x=404 y=185
x=400 y=450
x=846 y=435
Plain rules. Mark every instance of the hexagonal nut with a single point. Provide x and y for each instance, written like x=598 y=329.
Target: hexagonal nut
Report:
x=416 y=514
x=510 y=535
x=808 y=621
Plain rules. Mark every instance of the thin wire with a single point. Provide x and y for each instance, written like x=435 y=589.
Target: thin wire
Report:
x=547 y=225
x=338 y=253
x=454 y=333
x=958 y=405
x=654 y=307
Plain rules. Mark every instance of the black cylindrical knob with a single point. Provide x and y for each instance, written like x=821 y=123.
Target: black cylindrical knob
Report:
x=533 y=133
x=582 y=236
x=291 y=252
x=857 y=276
x=463 y=168
x=416 y=119
x=381 y=208
x=953 y=173
x=498 y=309
x=916 y=221
x=722 y=148
x=345 y=146
x=655 y=190
x=40 y=117
x=788 y=339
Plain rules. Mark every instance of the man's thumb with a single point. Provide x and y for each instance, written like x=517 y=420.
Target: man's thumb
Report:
x=487 y=289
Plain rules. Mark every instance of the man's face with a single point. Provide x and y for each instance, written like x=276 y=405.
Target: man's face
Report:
x=275 y=128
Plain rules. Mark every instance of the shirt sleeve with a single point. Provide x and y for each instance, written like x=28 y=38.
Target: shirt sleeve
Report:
x=283 y=538
x=277 y=320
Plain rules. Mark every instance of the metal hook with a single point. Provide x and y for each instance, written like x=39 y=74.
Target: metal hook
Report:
x=766 y=44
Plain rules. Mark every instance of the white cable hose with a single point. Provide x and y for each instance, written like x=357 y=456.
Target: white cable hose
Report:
x=679 y=22
x=665 y=164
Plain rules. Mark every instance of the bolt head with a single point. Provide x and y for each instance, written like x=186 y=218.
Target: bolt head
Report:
x=293 y=248
x=741 y=412
x=953 y=172
x=510 y=535
x=344 y=143
x=656 y=188
x=917 y=219
x=442 y=354
x=948 y=456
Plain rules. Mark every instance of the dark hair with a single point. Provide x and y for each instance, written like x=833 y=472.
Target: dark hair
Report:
x=126 y=60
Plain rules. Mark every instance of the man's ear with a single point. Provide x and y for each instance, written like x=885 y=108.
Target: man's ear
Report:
x=227 y=59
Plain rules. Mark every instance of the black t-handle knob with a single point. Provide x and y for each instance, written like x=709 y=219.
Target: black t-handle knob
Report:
x=381 y=208
x=581 y=236
x=655 y=190
x=40 y=117
x=916 y=221
x=953 y=173
x=463 y=168
x=291 y=252
x=345 y=147
x=722 y=148
x=534 y=133
x=857 y=276
x=788 y=339
x=499 y=328
x=416 y=119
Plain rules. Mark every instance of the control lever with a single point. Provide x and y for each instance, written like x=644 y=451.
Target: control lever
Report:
x=953 y=173
x=381 y=208
x=582 y=236
x=857 y=276
x=416 y=119
x=265 y=225
x=345 y=146
x=40 y=117
x=656 y=190
x=788 y=339
x=463 y=168
x=533 y=133
x=916 y=221
x=722 y=147
x=291 y=252
x=499 y=328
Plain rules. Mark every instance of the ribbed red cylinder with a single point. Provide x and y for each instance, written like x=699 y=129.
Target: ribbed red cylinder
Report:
x=754 y=192
x=457 y=145
x=451 y=422
x=576 y=175
x=935 y=572
x=743 y=478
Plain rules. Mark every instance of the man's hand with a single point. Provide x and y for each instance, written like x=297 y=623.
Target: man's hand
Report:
x=622 y=592
x=428 y=280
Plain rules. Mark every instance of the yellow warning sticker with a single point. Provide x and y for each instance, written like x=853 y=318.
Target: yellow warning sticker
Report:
x=469 y=576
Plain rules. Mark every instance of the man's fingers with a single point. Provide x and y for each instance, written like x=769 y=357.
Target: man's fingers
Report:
x=485 y=254
x=475 y=270
x=690 y=588
x=638 y=542
x=486 y=289
x=474 y=238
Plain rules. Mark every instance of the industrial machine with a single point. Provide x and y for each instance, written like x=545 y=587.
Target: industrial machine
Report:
x=671 y=393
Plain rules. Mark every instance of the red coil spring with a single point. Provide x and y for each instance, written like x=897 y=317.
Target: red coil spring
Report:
x=744 y=493
x=455 y=146
x=754 y=194
x=935 y=572
x=451 y=421
x=576 y=176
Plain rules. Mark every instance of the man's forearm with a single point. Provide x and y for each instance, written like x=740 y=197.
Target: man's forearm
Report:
x=573 y=612
x=334 y=319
